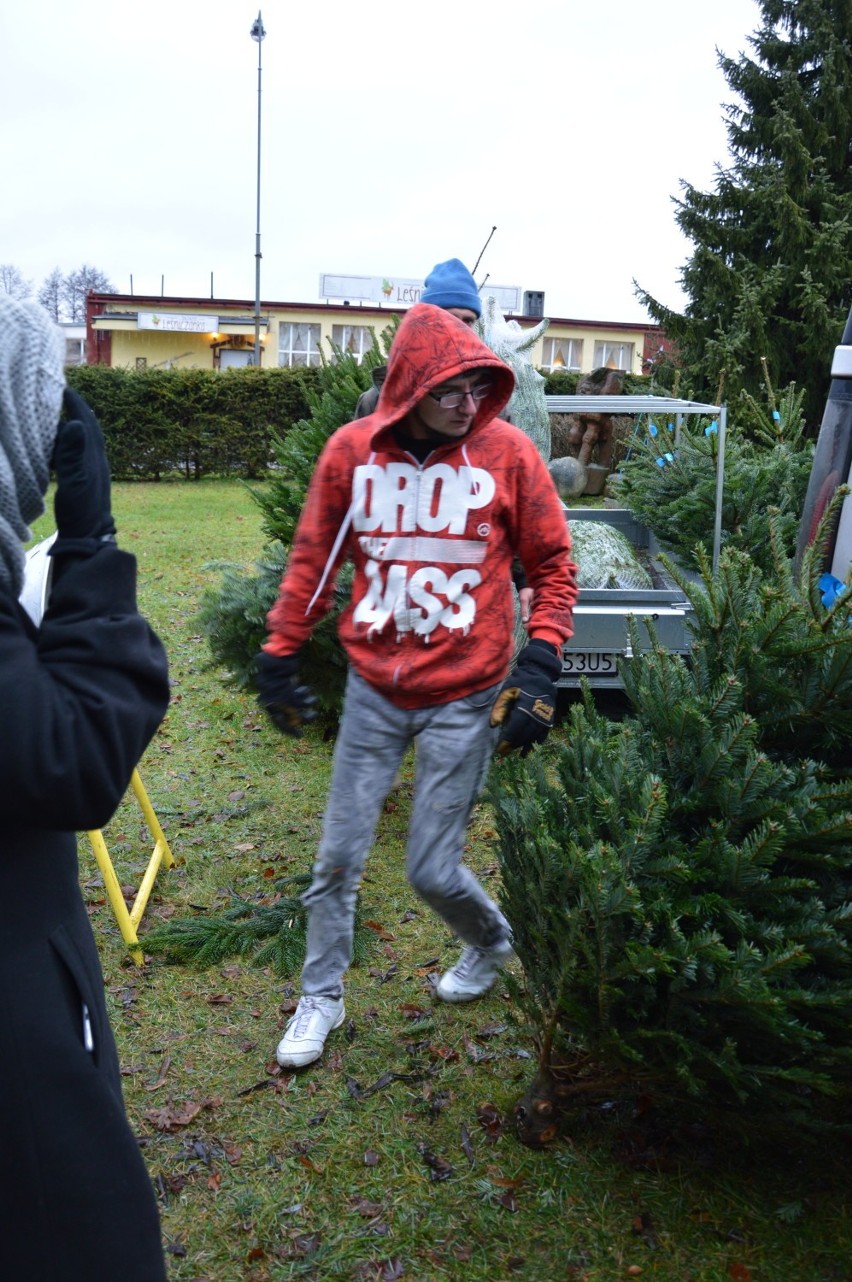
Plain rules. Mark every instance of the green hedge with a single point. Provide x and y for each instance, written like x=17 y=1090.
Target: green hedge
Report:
x=192 y=423
x=564 y=383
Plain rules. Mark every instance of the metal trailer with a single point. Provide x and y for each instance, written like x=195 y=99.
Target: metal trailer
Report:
x=601 y=635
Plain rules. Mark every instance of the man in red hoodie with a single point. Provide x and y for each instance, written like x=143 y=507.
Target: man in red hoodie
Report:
x=430 y=497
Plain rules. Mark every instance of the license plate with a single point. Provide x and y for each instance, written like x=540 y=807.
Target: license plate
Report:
x=581 y=663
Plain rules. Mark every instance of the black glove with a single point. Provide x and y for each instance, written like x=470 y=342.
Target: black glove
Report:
x=288 y=704
x=82 y=503
x=526 y=704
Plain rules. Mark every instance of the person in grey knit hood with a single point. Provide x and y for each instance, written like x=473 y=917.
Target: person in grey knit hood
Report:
x=31 y=386
x=82 y=691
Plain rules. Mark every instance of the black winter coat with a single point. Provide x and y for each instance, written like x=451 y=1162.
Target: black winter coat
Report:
x=79 y=701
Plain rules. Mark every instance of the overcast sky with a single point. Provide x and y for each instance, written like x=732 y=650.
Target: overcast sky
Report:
x=393 y=136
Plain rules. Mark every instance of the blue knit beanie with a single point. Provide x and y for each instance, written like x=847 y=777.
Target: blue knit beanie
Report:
x=450 y=284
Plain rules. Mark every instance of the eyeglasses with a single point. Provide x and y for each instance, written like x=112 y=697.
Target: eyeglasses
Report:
x=452 y=400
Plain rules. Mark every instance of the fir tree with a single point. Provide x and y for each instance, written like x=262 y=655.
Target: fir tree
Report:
x=678 y=884
x=769 y=275
x=670 y=482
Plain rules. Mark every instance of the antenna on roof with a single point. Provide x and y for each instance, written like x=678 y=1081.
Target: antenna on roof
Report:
x=481 y=252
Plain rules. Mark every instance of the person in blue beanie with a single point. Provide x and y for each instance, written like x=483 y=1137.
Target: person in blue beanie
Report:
x=450 y=285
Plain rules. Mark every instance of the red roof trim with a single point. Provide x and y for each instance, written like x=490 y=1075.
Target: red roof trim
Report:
x=102 y=301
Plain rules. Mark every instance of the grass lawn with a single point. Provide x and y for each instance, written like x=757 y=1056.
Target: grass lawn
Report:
x=394 y=1156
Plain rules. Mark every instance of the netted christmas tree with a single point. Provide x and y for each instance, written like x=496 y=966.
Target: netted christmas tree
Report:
x=678 y=884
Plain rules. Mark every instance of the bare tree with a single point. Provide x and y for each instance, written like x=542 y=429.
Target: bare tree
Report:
x=13 y=283
x=50 y=294
x=76 y=285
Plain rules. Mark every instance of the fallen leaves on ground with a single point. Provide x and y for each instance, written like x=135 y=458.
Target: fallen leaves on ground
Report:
x=490 y=1120
x=171 y=1117
x=439 y=1168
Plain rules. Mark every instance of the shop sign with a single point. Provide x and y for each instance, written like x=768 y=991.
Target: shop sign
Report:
x=178 y=322
x=399 y=291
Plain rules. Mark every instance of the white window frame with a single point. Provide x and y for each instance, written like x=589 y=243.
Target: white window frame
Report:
x=613 y=355
x=307 y=352
x=75 y=351
x=571 y=350
x=357 y=340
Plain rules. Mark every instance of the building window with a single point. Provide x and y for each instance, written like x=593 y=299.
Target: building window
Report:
x=354 y=339
x=298 y=344
x=562 y=353
x=75 y=351
x=614 y=356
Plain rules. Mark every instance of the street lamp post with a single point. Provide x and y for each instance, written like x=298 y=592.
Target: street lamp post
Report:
x=257 y=33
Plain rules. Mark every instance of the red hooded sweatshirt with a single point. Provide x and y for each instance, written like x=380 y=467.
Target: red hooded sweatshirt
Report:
x=431 y=616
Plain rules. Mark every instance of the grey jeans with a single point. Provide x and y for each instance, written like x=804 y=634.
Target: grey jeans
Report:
x=454 y=743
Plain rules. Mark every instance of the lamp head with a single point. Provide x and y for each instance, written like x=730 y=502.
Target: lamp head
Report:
x=257 y=31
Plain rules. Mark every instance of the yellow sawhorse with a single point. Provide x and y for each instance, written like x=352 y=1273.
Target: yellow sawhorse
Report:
x=128 y=920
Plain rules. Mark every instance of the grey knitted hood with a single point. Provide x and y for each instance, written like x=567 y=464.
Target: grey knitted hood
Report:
x=32 y=379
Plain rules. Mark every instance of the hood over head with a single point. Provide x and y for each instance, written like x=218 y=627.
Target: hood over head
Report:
x=32 y=379
x=431 y=346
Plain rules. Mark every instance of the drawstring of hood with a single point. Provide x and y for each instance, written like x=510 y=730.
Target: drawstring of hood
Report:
x=455 y=351
x=357 y=502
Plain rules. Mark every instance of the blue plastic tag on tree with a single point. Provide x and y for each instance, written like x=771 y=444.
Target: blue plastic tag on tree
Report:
x=831 y=588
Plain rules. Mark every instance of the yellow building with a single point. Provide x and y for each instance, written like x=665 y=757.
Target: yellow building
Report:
x=146 y=332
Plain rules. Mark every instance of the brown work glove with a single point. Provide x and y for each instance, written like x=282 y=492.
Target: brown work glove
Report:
x=526 y=705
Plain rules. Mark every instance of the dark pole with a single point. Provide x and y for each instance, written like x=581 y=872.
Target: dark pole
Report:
x=257 y=33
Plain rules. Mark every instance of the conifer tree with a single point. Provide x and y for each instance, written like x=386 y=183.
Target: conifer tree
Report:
x=770 y=274
x=670 y=482
x=678 y=884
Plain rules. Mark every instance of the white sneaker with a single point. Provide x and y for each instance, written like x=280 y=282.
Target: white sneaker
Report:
x=305 y=1034
x=474 y=972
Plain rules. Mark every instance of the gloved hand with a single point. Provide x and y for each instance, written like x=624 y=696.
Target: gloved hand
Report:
x=288 y=705
x=526 y=704
x=82 y=503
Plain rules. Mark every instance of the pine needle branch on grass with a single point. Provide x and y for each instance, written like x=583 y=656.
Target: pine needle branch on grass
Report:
x=264 y=933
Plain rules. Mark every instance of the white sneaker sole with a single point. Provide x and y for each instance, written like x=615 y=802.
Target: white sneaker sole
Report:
x=456 y=995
